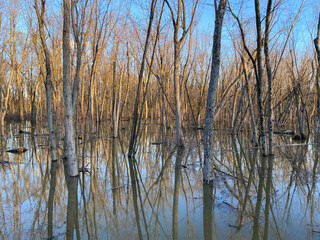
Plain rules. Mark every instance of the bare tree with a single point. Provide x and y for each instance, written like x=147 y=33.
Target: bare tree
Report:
x=4 y=94
x=116 y=99
x=269 y=74
x=48 y=83
x=179 y=21
x=259 y=74
x=67 y=91
x=215 y=67
x=316 y=45
x=136 y=105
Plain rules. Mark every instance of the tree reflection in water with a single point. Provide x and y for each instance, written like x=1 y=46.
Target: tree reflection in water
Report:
x=177 y=180
x=159 y=194
x=53 y=180
x=72 y=205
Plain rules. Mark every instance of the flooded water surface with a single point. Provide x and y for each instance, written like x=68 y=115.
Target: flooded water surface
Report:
x=159 y=194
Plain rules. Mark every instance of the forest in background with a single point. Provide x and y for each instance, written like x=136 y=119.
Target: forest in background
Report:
x=160 y=52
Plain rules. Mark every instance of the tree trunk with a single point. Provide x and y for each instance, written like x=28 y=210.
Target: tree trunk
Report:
x=20 y=94
x=209 y=119
x=259 y=79
x=33 y=108
x=316 y=45
x=235 y=122
x=177 y=91
x=48 y=83
x=116 y=101
x=179 y=22
x=67 y=91
x=134 y=133
x=269 y=74
x=253 y=125
x=4 y=106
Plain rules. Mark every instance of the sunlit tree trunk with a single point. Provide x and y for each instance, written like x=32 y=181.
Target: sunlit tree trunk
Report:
x=48 y=82
x=116 y=100
x=20 y=90
x=253 y=124
x=236 y=119
x=179 y=22
x=67 y=91
x=7 y=84
x=209 y=119
x=177 y=91
x=4 y=106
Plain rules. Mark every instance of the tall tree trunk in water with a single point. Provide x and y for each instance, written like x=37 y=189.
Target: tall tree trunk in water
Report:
x=48 y=83
x=269 y=74
x=20 y=90
x=67 y=91
x=259 y=78
x=176 y=85
x=209 y=120
x=316 y=45
x=4 y=106
x=134 y=133
x=116 y=100
x=253 y=125
x=179 y=22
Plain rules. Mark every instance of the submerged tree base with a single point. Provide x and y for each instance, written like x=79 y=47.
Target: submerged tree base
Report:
x=300 y=137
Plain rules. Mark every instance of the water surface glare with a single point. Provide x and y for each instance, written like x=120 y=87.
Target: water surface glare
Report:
x=159 y=194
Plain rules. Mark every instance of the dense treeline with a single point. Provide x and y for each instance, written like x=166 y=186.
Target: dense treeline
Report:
x=110 y=38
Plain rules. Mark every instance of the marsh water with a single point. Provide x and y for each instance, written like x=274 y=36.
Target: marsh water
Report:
x=159 y=194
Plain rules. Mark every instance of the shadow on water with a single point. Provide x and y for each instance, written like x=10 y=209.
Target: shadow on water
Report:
x=159 y=194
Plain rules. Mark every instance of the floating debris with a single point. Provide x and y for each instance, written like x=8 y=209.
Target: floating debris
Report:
x=84 y=169
x=17 y=150
x=118 y=187
x=24 y=132
x=228 y=204
x=284 y=132
x=158 y=143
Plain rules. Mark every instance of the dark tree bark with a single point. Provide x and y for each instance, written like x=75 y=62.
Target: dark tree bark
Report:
x=316 y=45
x=134 y=133
x=209 y=120
x=269 y=74
x=259 y=78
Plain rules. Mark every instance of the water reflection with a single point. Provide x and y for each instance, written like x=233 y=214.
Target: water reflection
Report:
x=160 y=194
x=208 y=204
x=72 y=230
x=177 y=180
x=53 y=180
x=134 y=180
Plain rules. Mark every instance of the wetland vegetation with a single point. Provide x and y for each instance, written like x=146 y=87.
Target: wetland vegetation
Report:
x=159 y=119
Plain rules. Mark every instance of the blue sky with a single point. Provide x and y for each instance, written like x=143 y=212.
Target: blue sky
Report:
x=303 y=31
